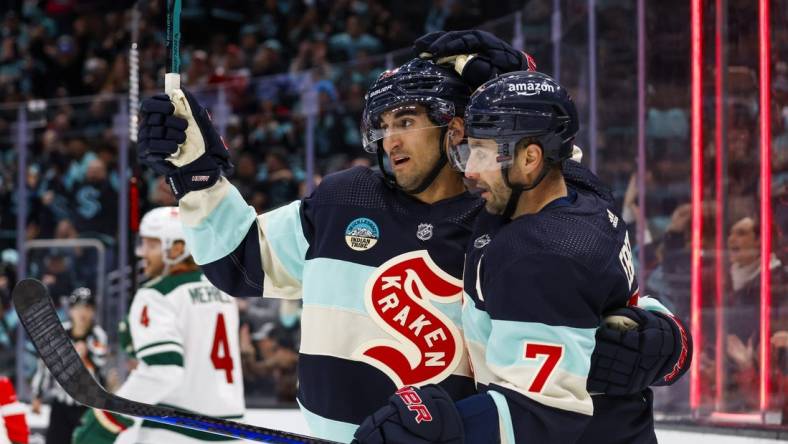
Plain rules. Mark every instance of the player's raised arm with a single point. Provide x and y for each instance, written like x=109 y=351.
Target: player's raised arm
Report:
x=232 y=244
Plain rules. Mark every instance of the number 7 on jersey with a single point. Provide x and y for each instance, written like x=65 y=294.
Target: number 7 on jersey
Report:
x=552 y=353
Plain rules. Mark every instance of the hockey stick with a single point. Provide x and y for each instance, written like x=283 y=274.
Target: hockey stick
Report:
x=38 y=316
x=172 y=79
x=134 y=111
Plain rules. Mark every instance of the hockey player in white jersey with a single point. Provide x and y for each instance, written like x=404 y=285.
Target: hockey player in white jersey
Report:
x=185 y=336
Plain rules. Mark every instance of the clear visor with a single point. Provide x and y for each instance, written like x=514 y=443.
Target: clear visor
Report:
x=403 y=119
x=472 y=155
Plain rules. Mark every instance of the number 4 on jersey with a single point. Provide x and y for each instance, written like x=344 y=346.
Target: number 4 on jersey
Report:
x=144 y=319
x=220 y=350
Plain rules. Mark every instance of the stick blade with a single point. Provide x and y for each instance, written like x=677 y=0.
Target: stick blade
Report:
x=27 y=292
x=39 y=317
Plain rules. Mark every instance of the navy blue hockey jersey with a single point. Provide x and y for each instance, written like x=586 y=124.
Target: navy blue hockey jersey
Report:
x=536 y=289
x=379 y=274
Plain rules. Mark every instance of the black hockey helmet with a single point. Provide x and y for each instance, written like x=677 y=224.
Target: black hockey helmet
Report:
x=438 y=89
x=517 y=106
x=81 y=295
x=525 y=104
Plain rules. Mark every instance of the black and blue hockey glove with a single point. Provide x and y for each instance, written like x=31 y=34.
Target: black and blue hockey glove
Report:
x=178 y=140
x=477 y=56
x=656 y=352
x=414 y=416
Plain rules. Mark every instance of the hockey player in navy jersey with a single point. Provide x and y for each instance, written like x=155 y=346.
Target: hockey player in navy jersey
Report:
x=376 y=257
x=545 y=264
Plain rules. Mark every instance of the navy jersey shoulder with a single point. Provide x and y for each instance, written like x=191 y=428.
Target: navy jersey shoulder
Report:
x=582 y=180
x=550 y=258
x=587 y=232
x=359 y=199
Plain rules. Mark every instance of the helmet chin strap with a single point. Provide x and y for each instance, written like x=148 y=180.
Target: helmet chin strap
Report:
x=168 y=263
x=517 y=189
x=427 y=181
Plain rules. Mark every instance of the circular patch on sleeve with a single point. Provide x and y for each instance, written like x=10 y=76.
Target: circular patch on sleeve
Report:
x=362 y=234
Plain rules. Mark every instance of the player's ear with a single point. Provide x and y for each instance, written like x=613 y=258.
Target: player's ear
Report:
x=534 y=156
x=456 y=130
x=529 y=157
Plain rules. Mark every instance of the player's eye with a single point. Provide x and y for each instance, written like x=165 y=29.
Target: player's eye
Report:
x=404 y=123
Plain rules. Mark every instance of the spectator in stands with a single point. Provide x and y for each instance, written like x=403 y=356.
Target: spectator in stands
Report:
x=95 y=202
x=669 y=282
x=742 y=317
x=355 y=38
x=57 y=274
x=269 y=347
x=280 y=185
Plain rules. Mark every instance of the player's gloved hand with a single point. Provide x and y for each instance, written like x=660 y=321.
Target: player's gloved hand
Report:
x=99 y=427
x=414 y=416
x=477 y=56
x=178 y=140
x=637 y=348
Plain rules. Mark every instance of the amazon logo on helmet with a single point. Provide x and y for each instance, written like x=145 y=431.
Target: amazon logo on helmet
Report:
x=524 y=104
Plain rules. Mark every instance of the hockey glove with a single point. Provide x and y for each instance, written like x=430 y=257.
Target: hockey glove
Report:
x=178 y=140
x=414 y=416
x=477 y=56
x=100 y=427
x=625 y=361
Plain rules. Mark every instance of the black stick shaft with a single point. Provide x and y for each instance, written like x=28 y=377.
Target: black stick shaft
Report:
x=37 y=314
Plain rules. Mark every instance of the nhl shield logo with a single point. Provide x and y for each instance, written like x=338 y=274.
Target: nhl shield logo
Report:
x=481 y=241
x=424 y=232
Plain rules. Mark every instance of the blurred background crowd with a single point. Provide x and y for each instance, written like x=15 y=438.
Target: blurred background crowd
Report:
x=282 y=75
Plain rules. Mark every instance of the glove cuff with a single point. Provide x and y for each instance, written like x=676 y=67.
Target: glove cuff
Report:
x=114 y=424
x=193 y=177
x=680 y=360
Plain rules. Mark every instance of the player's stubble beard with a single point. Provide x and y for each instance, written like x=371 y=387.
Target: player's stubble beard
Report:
x=498 y=194
x=420 y=165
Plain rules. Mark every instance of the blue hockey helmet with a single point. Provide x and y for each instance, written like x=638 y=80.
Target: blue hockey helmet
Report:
x=439 y=89
x=515 y=107
x=523 y=105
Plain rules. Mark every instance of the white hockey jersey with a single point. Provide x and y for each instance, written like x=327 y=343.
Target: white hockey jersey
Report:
x=182 y=320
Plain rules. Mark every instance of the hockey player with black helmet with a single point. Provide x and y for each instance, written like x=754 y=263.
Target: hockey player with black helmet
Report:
x=359 y=252
x=375 y=257
x=547 y=262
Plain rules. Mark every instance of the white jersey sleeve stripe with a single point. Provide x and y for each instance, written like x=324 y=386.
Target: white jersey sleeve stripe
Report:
x=651 y=304
x=160 y=348
x=282 y=251
x=154 y=345
x=504 y=417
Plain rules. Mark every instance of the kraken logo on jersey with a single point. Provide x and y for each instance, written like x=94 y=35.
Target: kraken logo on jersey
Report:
x=362 y=234
x=400 y=298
